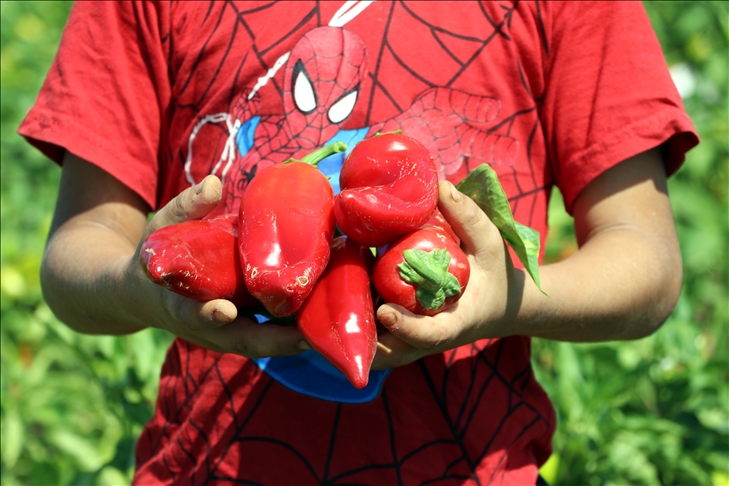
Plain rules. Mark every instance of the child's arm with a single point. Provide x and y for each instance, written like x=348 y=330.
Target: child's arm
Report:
x=622 y=283
x=93 y=281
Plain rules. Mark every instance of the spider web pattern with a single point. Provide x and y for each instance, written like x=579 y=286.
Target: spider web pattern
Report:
x=473 y=415
x=526 y=187
x=330 y=443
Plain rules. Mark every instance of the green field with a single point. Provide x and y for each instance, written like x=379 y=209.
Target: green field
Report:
x=654 y=411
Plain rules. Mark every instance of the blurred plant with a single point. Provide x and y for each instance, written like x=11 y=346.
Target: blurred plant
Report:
x=654 y=411
x=72 y=405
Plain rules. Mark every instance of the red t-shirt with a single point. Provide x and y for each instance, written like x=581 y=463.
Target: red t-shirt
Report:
x=548 y=93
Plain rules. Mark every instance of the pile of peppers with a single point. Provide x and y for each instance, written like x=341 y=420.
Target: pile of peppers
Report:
x=328 y=261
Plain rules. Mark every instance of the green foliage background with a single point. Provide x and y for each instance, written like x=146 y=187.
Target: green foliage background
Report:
x=654 y=411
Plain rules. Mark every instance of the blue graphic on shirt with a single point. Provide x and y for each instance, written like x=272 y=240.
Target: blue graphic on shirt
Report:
x=244 y=137
x=311 y=374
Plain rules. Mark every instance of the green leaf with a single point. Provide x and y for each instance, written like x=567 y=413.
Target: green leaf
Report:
x=13 y=434
x=483 y=186
x=143 y=349
x=714 y=418
x=111 y=476
x=80 y=448
x=550 y=468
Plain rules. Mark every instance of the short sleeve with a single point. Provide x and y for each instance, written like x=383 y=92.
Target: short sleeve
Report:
x=106 y=93
x=609 y=94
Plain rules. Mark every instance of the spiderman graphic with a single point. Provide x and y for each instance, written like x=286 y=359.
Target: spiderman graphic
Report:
x=322 y=78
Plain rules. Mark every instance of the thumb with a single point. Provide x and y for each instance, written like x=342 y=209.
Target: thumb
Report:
x=193 y=203
x=422 y=332
x=479 y=236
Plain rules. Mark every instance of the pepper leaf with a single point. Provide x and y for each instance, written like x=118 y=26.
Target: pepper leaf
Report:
x=483 y=186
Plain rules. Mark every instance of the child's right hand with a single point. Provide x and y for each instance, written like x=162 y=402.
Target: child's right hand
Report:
x=93 y=281
x=215 y=324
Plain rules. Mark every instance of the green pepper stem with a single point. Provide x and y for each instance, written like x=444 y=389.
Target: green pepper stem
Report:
x=318 y=155
x=428 y=273
x=394 y=132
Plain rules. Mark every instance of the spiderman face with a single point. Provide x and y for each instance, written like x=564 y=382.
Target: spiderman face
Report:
x=321 y=83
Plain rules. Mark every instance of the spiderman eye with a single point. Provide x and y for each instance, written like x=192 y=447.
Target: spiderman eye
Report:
x=343 y=107
x=304 y=95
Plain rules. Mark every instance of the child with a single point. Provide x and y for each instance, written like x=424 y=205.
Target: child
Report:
x=174 y=106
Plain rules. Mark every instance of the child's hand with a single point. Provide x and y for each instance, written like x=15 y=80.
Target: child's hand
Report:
x=622 y=283
x=214 y=324
x=482 y=311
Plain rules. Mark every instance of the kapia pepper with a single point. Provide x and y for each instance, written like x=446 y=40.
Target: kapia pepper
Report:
x=389 y=187
x=198 y=259
x=425 y=271
x=338 y=317
x=438 y=221
x=286 y=227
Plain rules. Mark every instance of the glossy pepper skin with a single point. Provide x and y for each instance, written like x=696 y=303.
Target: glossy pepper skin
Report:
x=438 y=221
x=198 y=259
x=287 y=225
x=389 y=187
x=338 y=317
x=425 y=271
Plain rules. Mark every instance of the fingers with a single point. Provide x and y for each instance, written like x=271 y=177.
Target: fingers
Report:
x=418 y=331
x=253 y=340
x=392 y=352
x=412 y=336
x=479 y=237
x=216 y=325
x=192 y=203
x=212 y=314
x=478 y=314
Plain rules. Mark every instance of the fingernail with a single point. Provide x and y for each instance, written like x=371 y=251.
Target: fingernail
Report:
x=455 y=195
x=304 y=345
x=221 y=316
x=199 y=187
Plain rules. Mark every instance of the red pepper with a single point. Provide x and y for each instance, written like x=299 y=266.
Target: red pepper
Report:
x=438 y=220
x=425 y=271
x=198 y=259
x=389 y=187
x=338 y=318
x=287 y=225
